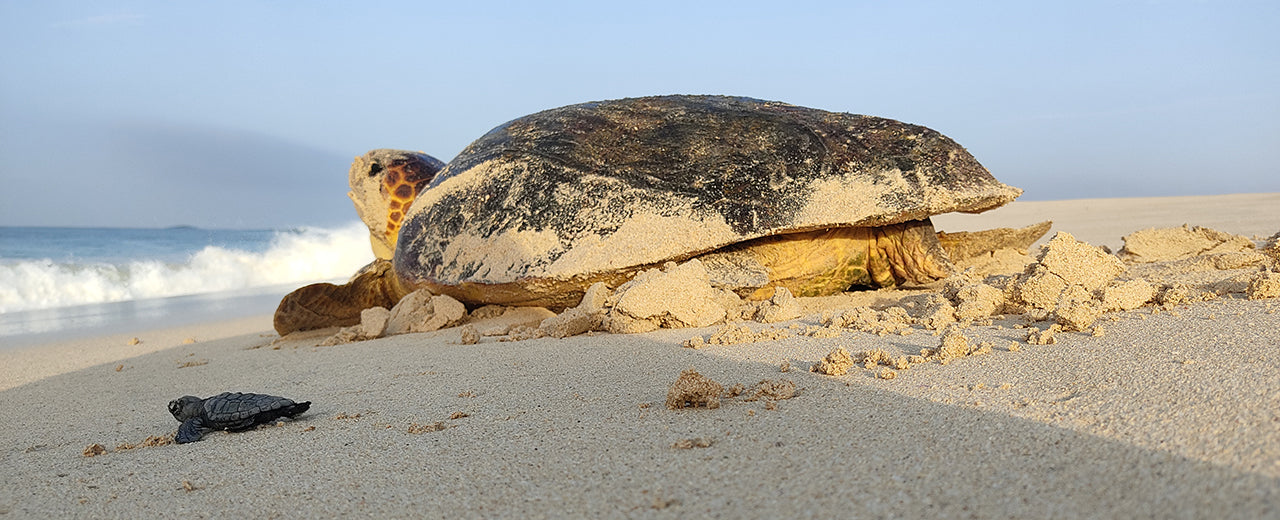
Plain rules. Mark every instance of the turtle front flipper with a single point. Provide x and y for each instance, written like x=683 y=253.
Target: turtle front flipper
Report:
x=191 y=430
x=321 y=305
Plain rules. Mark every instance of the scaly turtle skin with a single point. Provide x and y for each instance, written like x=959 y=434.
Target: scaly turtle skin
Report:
x=766 y=194
x=383 y=185
x=229 y=411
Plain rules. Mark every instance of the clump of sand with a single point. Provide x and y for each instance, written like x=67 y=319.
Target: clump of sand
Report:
x=955 y=345
x=150 y=442
x=1127 y=295
x=978 y=300
x=932 y=311
x=992 y=251
x=1272 y=248
x=421 y=311
x=731 y=334
x=865 y=319
x=782 y=306
x=1191 y=264
x=1179 y=293
x=770 y=390
x=696 y=442
x=692 y=390
x=1063 y=282
x=506 y=323
x=677 y=296
x=373 y=324
x=587 y=316
x=95 y=449
x=837 y=363
x=437 y=426
x=674 y=296
x=468 y=335
x=1043 y=337
x=1264 y=285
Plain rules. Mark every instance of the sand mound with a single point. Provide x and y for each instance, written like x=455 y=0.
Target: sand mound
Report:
x=1065 y=281
x=1165 y=244
x=676 y=296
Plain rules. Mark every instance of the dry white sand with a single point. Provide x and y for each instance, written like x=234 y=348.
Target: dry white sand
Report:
x=1102 y=222
x=1166 y=415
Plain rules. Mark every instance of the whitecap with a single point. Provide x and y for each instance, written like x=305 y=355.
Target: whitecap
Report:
x=297 y=256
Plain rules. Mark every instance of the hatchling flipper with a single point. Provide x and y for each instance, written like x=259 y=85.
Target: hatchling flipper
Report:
x=230 y=411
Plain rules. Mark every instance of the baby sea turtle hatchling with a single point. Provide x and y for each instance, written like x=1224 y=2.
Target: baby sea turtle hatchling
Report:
x=764 y=194
x=230 y=411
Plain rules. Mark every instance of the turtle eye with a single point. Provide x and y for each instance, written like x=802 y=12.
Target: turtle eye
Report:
x=375 y=169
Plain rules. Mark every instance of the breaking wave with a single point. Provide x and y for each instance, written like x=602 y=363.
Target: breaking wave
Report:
x=292 y=257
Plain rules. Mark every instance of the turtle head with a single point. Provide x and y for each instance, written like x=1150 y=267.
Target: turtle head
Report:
x=185 y=407
x=384 y=184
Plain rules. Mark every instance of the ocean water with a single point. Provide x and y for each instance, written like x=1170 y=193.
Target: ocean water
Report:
x=97 y=280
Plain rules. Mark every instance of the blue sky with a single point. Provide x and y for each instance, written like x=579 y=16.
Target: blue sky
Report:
x=247 y=114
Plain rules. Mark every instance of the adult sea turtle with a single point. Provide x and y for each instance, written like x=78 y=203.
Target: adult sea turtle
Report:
x=764 y=193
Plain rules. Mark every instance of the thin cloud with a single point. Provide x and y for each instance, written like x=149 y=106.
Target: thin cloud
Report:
x=101 y=20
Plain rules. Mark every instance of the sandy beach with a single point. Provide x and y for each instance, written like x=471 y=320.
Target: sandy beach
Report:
x=1162 y=411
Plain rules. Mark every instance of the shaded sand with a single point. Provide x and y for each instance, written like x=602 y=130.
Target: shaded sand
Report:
x=1164 y=411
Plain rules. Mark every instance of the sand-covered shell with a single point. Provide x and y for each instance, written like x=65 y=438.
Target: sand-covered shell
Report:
x=552 y=201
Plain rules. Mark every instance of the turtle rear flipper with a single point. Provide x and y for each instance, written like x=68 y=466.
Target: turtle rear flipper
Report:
x=271 y=415
x=962 y=245
x=908 y=254
x=191 y=430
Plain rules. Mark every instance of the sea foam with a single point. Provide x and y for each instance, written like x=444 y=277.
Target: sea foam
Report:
x=300 y=256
